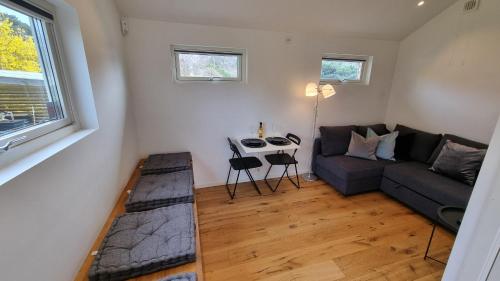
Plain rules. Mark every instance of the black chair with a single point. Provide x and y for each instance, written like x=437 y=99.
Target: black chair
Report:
x=284 y=159
x=239 y=163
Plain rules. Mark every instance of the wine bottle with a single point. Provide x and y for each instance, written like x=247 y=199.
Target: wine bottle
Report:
x=261 y=131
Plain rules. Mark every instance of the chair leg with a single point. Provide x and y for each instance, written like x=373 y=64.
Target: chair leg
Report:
x=297 y=184
x=297 y=175
x=279 y=181
x=232 y=194
x=228 y=174
x=265 y=178
x=253 y=181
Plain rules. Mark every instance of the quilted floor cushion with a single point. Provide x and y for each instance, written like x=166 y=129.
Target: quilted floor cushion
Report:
x=155 y=191
x=145 y=242
x=191 y=276
x=166 y=163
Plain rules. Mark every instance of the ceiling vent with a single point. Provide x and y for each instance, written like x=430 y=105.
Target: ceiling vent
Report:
x=471 y=6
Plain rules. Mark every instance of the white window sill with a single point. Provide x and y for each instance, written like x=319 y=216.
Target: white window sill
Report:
x=15 y=168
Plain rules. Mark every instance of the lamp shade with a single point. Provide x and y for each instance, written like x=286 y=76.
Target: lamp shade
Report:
x=311 y=90
x=328 y=91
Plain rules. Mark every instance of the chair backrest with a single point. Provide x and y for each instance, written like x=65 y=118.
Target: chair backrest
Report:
x=233 y=148
x=293 y=138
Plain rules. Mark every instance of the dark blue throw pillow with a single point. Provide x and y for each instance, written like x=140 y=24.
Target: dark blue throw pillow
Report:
x=423 y=143
x=403 y=146
x=335 y=139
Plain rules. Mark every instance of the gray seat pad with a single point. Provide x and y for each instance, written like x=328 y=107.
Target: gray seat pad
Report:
x=154 y=191
x=145 y=242
x=190 y=276
x=166 y=163
x=417 y=177
x=351 y=168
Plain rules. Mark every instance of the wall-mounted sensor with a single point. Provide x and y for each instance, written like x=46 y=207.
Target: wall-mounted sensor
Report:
x=124 y=24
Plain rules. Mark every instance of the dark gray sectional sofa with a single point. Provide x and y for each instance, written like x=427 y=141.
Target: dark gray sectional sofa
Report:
x=408 y=179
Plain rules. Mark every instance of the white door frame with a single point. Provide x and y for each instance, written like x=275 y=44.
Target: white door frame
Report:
x=491 y=258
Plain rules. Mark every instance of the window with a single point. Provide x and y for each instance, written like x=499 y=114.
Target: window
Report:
x=346 y=69
x=208 y=64
x=32 y=94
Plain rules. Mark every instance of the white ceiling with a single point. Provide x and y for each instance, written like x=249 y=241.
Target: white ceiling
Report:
x=377 y=19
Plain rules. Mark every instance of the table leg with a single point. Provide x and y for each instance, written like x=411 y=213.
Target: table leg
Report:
x=429 y=246
x=430 y=241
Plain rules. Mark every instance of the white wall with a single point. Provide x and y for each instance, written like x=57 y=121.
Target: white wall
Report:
x=477 y=242
x=199 y=116
x=51 y=215
x=447 y=74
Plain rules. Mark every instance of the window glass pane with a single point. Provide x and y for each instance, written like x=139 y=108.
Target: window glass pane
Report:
x=29 y=93
x=200 y=65
x=341 y=70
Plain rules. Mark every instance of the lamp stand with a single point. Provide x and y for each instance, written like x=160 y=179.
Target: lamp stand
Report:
x=310 y=176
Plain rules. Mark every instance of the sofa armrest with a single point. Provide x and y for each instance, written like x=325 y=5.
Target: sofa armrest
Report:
x=316 y=151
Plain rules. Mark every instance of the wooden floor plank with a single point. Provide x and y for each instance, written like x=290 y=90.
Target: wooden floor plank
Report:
x=314 y=233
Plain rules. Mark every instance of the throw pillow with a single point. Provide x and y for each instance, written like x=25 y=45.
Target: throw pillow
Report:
x=455 y=139
x=403 y=146
x=459 y=162
x=362 y=147
x=380 y=129
x=335 y=140
x=386 y=146
x=423 y=143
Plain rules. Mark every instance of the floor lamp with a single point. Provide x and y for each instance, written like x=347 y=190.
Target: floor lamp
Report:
x=312 y=90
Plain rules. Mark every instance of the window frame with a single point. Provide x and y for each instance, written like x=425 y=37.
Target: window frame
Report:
x=53 y=48
x=366 y=68
x=217 y=51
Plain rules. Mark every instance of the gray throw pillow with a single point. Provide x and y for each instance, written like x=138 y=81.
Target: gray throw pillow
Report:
x=459 y=162
x=385 y=148
x=363 y=147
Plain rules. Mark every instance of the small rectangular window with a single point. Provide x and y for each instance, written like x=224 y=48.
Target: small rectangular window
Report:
x=345 y=69
x=208 y=64
x=32 y=96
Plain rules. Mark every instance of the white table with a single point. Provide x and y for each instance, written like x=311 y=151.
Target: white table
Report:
x=268 y=148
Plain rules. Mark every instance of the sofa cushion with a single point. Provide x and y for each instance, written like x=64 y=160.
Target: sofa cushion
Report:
x=145 y=242
x=350 y=168
x=455 y=139
x=363 y=147
x=155 y=191
x=385 y=148
x=403 y=146
x=417 y=177
x=459 y=162
x=335 y=140
x=404 y=130
x=379 y=129
x=166 y=163
x=411 y=198
x=423 y=145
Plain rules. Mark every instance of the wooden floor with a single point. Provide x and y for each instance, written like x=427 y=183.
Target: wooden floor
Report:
x=314 y=234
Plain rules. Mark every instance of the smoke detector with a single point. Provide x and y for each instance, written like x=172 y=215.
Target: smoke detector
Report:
x=471 y=6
